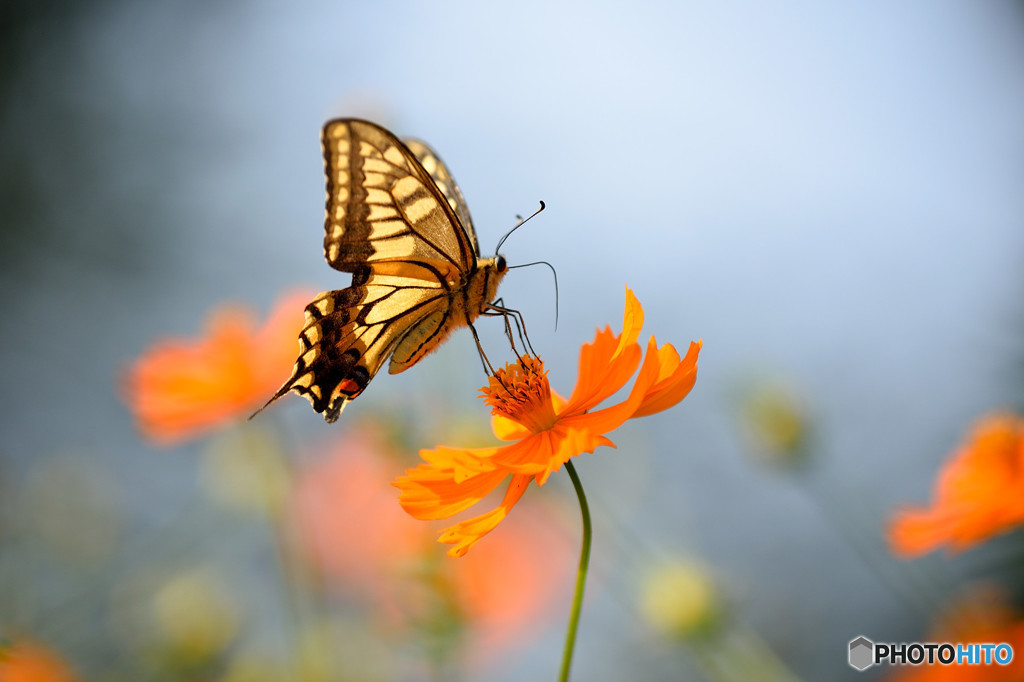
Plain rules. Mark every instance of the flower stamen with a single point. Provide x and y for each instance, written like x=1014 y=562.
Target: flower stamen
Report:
x=521 y=392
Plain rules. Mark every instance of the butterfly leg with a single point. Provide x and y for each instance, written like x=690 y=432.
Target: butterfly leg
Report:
x=508 y=334
x=498 y=308
x=508 y=328
x=488 y=369
x=483 y=357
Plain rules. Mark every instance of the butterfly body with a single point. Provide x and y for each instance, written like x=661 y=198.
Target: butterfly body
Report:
x=395 y=220
x=466 y=301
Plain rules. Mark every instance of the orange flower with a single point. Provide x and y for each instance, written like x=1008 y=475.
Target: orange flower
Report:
x=981 y=616
x=980 y=493
x=547 y=429
x=182 y=388
x=26 y=661
x=331 y=492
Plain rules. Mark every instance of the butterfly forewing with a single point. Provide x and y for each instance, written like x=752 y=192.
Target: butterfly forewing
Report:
x=382 y=205
x=432 y=163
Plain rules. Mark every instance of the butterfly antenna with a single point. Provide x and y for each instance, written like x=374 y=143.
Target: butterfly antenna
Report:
x=518 y=225
x=554 y=274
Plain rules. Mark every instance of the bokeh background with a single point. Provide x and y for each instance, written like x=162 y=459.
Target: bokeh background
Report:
x=828 y=194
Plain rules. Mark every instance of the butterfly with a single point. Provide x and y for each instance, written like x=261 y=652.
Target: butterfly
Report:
x=398 y=223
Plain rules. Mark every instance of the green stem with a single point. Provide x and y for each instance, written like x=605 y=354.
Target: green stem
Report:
x=581 y=575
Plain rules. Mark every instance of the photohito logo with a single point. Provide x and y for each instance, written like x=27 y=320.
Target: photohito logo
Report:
x=864 y=653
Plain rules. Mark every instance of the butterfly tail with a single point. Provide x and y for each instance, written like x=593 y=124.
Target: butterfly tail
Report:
x=280 y=392
x=333 y=366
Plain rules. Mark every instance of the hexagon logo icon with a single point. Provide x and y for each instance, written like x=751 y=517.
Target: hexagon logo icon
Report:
x=862 y=653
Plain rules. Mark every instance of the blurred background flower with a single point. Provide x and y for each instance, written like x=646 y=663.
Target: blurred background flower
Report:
x=774 y=419
x=978 y=494
x=28 y=661
x=678 y=598
x=181 y=388
x=978 y=614
x=831 y=192
x=195 y=616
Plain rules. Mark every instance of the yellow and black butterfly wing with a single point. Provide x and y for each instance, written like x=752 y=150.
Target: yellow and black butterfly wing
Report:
x=400 y=233
x=382 y=205
x=349 y=334
x=439 y=173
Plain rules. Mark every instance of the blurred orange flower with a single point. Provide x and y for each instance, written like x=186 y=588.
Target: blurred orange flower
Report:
x=346 y=516
x=182 y=388
x=350 y=528
x=981 y=616
x=547 y=429
x=980 y=493
x=26 y=661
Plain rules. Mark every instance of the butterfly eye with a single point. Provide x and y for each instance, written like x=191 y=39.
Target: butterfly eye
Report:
x=502 y=265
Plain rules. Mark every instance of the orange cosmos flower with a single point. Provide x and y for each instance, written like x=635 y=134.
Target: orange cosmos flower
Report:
x=546 y=429
x=980 y=493
x=181 y=388
x=26 y=661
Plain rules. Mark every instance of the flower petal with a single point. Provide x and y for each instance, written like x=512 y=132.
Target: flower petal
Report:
x=181 y=388
x=528 y=456
x=980 y=493
x=917 y=531
x=675 y=379
x=567 y=443
x=545 y=452
x=611 y=418
x=430 y=490
x=608 y=363
x=507 y=429
x=467 y=533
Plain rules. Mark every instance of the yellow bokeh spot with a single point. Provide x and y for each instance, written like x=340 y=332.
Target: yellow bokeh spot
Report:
x=679 y=599
x=248 y=667
x=776 y=423
x=195 y=614
x=245 y=470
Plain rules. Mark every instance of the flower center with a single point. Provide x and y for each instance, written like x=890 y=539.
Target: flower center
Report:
x=521 y=392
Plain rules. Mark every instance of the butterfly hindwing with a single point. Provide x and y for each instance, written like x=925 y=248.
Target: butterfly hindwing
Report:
x=349 y=333
x=324 y=364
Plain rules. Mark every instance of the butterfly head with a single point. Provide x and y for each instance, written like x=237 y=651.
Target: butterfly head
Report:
x=484 y=283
